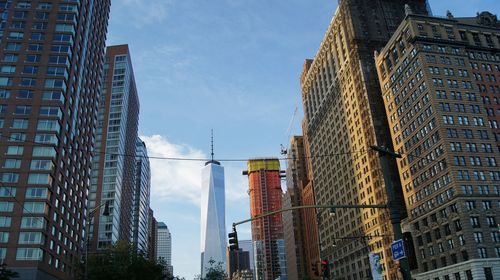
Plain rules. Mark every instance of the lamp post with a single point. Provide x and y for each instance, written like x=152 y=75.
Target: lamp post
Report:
x=87 y=238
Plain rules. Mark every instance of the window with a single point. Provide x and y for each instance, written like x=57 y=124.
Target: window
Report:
x=34 y=207
x=13 y=47
x=29 y=254
x=5 y=81
x=41 y=164
x=36 y=193
x=4 y=237
x=52 y=83
x=16 y=35
x=4 y=94
x=30 y=238
x=44 y=6
x=6 y=206
x=10 y=57
x=478 y=237
x=483 y=254
x=12 y=163
x=30 y=70
x=53 y=95
x=46 y=139
x=5 y=221
x=15 y=150
x=8 y=69
x=23 y=5
x=44 y=152
x=10 y=177
x=23 y=110
x=25 y=94
x=28 y=82
x=474 y=221
x=39 y=179
x=35 y=47
x=52 y=125
x=20 y=124
x=32 y=222
x=33 y=58
x=37 y=36
x=38 y=26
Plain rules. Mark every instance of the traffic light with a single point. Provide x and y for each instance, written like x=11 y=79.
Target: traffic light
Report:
x=233 y=240
x=325 y=269
x=314 y=268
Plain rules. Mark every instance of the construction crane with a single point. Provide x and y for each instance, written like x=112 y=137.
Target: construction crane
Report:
x=284 y=150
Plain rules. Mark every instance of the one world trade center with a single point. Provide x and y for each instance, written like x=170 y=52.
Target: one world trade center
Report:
x=213 y=219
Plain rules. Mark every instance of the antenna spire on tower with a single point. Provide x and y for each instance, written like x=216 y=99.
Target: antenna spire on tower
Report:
x=212 y=144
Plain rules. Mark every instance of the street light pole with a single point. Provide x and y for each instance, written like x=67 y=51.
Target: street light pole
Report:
x=393 y=203
x=87 y=238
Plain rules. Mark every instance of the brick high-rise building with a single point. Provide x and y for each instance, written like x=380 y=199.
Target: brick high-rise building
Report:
x=267 y=233
x=293 y=222
x=344 y=115
x=51 y=61
x=152 y=232
x=440 y=80
x=113 y=175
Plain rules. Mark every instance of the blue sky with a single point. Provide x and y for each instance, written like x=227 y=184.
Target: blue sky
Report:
x=228 y=65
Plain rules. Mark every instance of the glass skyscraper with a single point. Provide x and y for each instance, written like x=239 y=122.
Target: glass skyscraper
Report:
x=213 y=219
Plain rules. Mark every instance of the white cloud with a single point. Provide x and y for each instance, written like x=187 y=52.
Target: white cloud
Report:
x=174 y=179
x=179 y=180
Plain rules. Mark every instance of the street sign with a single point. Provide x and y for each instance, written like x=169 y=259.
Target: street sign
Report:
x=398 y=250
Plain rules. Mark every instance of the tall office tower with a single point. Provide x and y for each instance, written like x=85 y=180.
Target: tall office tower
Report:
x=440 y=80
x=140 y=227
x=113 y=175
x=213 y=215
x=237 y=261
x=267 y=233
x=164 y=246
x=152 y=231
x=247 y=245
x=51 y=60
x=345 y=115
x=293 y=222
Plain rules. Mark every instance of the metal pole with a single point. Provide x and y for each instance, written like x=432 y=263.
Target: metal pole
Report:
x=393 y=203
x=333 y=206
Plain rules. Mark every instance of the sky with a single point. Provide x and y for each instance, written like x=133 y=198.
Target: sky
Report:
x=228 y=65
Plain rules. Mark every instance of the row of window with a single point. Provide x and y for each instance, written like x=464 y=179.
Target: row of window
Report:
x=33 y=178
x=35 y=58
x=40 y=6
x=478 y=175
x=28 y=94
x=29 y=207
x=474 y=161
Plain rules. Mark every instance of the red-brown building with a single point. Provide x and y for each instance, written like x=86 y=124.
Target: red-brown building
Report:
x=51 y=61
x=267 y=233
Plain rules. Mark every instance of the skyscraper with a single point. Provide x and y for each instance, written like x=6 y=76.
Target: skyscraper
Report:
x=152 y=231
x=113 y=175
x=140 y=227
x=213 y=215
x=247 y=245
x=51 y=60
x=344 y=115
x=293 y=222
x=440 y=80
x=164 y=246
x=267 y=233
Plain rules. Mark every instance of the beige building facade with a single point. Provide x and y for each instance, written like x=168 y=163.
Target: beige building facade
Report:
x=439 y=80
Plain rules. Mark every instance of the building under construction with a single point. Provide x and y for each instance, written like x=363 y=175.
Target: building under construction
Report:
x=267 y=233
